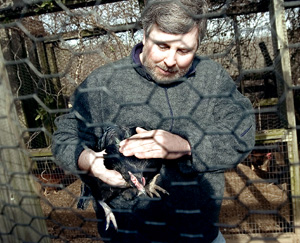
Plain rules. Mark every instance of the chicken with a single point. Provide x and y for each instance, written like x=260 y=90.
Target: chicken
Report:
x=261 y=161
x=272 y=166
x=49 y=180
x=140 y=174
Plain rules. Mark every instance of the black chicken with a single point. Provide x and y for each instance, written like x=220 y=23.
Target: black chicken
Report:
x=136 y=172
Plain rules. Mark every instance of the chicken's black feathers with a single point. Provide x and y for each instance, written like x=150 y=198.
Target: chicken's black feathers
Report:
x=114 y=160
x=140 y=174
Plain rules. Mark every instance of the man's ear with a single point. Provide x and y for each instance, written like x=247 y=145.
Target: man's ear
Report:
x=144 y=39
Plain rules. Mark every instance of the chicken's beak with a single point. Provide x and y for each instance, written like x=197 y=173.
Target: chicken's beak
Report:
x=137 y=184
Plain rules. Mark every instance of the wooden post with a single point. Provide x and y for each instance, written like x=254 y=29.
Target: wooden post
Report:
x=238 y=52
x=283 y=73
x=21 y=218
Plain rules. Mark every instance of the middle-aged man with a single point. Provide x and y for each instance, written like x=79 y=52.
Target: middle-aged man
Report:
x=200 y=126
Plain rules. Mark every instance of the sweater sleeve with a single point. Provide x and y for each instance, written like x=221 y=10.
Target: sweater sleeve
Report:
x=228 y=136
x=227 y=142
x=74 y=133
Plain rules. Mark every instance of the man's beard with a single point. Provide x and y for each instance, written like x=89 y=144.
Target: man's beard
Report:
x=175 y=72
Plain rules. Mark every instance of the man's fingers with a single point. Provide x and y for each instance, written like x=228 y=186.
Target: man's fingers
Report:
x=139 y=148
x=151 y=154
x=144 y=135
x=154 y=144
x=99 y=154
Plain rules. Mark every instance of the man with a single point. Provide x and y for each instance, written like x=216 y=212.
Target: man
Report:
x=201 y=126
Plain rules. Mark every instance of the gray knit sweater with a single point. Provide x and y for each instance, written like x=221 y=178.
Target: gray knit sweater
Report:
x=204 y=107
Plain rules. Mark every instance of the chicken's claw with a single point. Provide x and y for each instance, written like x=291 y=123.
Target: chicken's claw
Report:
x=152 y=188
x=108 y=215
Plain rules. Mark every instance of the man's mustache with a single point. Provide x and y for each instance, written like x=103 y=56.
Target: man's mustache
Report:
x=166 y=69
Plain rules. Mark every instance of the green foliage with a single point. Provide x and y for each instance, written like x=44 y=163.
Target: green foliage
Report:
x=42 y=113
x=44 y=6
x=112 y=49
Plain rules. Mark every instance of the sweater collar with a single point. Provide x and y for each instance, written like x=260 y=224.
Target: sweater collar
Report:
x=135 y=55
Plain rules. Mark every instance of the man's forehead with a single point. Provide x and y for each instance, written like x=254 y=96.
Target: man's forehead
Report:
x=189 y=39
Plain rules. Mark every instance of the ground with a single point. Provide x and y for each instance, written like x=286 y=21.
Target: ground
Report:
x=253 y=206
x=66 y=222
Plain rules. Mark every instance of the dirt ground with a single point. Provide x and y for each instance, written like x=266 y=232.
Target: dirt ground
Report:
x=65 y=222
x=254 y=206
x=250 y=206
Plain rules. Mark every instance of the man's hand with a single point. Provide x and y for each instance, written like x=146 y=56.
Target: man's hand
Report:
x=155 y=144
x=94 y=163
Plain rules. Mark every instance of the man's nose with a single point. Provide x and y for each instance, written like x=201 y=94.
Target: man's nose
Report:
x=170 y=58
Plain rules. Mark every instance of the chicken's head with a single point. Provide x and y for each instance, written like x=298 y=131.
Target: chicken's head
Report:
x=138 y=183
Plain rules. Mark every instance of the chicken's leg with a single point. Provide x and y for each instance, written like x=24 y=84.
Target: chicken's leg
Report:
x=152 y=188
x=108 y=215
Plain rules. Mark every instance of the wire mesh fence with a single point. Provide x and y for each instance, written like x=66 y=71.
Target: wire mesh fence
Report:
x=50 y=47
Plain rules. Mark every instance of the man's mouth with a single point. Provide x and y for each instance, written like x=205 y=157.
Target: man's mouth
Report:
x=166 y=71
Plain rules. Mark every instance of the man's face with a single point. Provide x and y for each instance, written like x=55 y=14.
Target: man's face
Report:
x=168 y=57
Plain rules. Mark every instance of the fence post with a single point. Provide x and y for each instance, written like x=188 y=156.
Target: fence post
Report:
x=283 y=72
x=21 y=217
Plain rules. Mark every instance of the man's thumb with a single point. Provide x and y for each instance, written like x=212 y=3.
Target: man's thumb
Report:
x=140 y=130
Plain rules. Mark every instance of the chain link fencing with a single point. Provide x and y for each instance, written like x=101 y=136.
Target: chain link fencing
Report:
x=49 y=47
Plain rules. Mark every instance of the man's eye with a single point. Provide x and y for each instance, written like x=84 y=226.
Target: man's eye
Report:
x=163 y=47
x=183 y=51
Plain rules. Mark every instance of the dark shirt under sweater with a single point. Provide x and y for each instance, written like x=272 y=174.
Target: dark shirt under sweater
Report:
x=204 y=107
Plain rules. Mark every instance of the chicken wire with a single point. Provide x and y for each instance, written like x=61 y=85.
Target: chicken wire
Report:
x=45 y=50
x=261 y=203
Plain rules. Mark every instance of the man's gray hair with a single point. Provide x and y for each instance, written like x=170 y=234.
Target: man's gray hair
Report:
x=176 y=16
